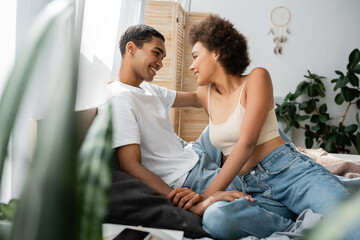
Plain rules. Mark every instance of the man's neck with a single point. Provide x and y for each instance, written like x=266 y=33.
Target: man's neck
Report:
x=127 y=76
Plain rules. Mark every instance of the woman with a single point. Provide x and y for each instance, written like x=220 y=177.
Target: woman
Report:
x=243 y=126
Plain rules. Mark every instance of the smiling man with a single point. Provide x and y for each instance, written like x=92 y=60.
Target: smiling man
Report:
x=146 y=145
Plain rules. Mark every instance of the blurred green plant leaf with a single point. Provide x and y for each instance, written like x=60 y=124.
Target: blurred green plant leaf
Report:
x=94 y=176
x=309 y=142
x=47 y=203
x=319 y=90
x=302 y=87
x=323 y=118
x=311 y=91
x=339 y=99
x=304 y=117
x=314 y=118
x=356 y=69
x=340 y=139
x=323 y=108
x=329 y=146
x=335 y=225
x=339 y=73
x=353 y=79
x=351 y=128
x=19 y=77
x=303 y=105
x=315 y=128
x=349 y=94
x=5 y=229
x=7 y=211
x=354 y=57
x=287 y=96
x=287 y=129
x=357 y=143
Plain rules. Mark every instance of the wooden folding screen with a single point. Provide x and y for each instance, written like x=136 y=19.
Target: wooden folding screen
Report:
x=173 y=22
x=168 y=18
x=192 y=121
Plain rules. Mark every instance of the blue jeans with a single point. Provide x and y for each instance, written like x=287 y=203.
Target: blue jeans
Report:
x=260 y=218
x=284 y=176
x=294 y=179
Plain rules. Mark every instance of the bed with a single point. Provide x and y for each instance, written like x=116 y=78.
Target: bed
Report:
x=133 y=203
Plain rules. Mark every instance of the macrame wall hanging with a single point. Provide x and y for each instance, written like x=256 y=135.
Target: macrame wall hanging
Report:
x=280 y=18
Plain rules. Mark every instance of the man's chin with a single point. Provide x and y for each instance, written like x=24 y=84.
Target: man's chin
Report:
x=149 y=79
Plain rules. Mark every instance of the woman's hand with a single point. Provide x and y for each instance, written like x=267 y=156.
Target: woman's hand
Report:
x=230 y=196
x=184 y=197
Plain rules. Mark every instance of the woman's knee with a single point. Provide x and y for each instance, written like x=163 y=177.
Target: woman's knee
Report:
x=222 y=221
x=214 y=215
x=215 y=220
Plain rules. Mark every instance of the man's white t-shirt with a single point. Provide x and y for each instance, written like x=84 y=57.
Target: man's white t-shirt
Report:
x=141 y=116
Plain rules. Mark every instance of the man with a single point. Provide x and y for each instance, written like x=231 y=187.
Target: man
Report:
x=146 y=145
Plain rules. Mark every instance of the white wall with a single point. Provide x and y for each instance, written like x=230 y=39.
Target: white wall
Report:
x=7 y=57
x=7 y=41
x=323 y=33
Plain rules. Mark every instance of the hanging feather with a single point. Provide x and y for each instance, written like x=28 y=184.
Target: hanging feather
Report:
x=280 y=18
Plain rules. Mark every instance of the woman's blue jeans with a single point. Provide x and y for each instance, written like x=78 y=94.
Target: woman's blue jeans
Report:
x=283 y=183
x=260 y=218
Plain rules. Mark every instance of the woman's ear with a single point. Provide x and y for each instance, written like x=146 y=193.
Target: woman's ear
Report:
x=216 y=56
x=130 y=48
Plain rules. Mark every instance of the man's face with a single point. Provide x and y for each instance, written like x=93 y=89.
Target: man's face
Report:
x=146 y=61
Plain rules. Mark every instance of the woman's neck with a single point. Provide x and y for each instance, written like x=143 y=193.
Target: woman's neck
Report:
x=227 y=84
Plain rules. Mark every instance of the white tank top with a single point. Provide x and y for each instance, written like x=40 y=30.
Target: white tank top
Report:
x=227 y=134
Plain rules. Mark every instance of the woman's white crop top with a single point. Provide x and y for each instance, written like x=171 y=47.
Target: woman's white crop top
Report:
x=226 y=135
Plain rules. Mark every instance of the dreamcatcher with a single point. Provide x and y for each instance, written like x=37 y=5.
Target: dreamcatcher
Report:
x=280 y=18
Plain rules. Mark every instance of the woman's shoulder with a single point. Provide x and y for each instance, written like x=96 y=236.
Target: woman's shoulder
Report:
x=259 y=71
x=202 y=91
x=202 y=94
x=259 y=74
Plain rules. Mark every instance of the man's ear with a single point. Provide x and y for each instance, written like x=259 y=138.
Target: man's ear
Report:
x=131 y=48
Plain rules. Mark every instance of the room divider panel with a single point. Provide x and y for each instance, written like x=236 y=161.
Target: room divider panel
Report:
x=173 y=22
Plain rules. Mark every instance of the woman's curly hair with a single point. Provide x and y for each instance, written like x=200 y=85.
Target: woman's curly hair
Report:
x=217 y=34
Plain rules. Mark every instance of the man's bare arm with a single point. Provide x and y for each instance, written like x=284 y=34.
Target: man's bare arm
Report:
x=130 y=162
x=187 y=99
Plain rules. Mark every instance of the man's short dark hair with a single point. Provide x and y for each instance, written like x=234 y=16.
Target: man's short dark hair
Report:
x=139 y=34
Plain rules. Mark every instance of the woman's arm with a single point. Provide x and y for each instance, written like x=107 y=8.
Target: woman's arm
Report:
x=230 y=196
x=259 y=98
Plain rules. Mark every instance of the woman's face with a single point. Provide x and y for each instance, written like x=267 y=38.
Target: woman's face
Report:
x=204 y=64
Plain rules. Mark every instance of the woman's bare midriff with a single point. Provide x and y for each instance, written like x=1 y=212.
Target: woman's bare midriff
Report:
x=260 y=152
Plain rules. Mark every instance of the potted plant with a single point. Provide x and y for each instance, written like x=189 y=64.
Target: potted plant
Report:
x=304 y=109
